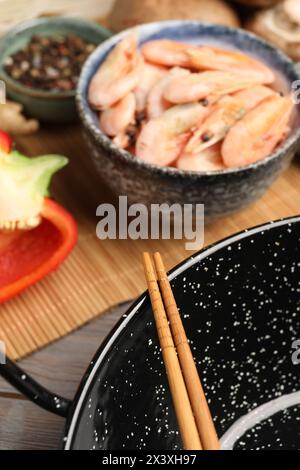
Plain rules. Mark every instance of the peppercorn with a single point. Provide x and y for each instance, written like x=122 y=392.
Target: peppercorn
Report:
x=49 y=63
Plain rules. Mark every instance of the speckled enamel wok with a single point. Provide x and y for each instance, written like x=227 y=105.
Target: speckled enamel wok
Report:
x=240 y=303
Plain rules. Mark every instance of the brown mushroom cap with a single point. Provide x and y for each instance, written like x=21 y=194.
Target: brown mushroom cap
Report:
x=258 y=3
x=280 y=25
x=133 y=12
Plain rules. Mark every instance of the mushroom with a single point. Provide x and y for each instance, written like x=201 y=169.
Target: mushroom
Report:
x=280 y=25
x=133 y=12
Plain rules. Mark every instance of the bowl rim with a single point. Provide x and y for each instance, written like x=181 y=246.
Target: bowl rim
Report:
x=29 y=25
x=127 y=157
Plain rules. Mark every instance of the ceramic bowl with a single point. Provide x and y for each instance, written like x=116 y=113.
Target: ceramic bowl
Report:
x=47 y=106
x=222 y=192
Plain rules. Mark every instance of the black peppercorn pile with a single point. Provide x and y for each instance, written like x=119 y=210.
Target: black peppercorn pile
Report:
x=49 y=63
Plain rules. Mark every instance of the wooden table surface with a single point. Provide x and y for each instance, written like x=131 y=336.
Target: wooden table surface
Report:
x=59 y=367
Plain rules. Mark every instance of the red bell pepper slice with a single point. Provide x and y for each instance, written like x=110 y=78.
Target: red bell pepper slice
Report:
x=5 y=142
x=28 y=256
x=36 y=233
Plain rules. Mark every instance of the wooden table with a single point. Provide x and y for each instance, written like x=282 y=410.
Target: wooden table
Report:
x=59 y=367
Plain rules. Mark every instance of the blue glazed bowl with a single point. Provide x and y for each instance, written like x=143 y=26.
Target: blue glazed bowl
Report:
x=222 y=192
x=46 y=105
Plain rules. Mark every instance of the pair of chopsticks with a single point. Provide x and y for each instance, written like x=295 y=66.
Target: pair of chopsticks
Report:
x=195 y=423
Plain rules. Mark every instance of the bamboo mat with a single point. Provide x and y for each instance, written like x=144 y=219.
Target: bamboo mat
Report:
x=101 y=274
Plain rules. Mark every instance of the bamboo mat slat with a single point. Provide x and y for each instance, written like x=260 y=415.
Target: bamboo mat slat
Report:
x=101 y=274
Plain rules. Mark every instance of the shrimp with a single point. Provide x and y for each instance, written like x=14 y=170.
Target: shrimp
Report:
x=224 y=60
x=162 y=139
x=166 y=52
x=172 y=53
x=115 y=120
x=211 y=85
x=251 y=97
x=156 y=104
x=149 y=76
x=225 y=113
x=256 y=135
x=117 y=75
x=209 y=159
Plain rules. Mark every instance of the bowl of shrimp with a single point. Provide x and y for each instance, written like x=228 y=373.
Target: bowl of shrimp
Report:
x=186 y=112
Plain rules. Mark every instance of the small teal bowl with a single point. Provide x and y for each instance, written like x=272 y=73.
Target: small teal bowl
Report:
x=50 y=106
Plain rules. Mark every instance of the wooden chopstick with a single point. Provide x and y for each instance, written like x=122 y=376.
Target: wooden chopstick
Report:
x=185 y=418
x=205 y=424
